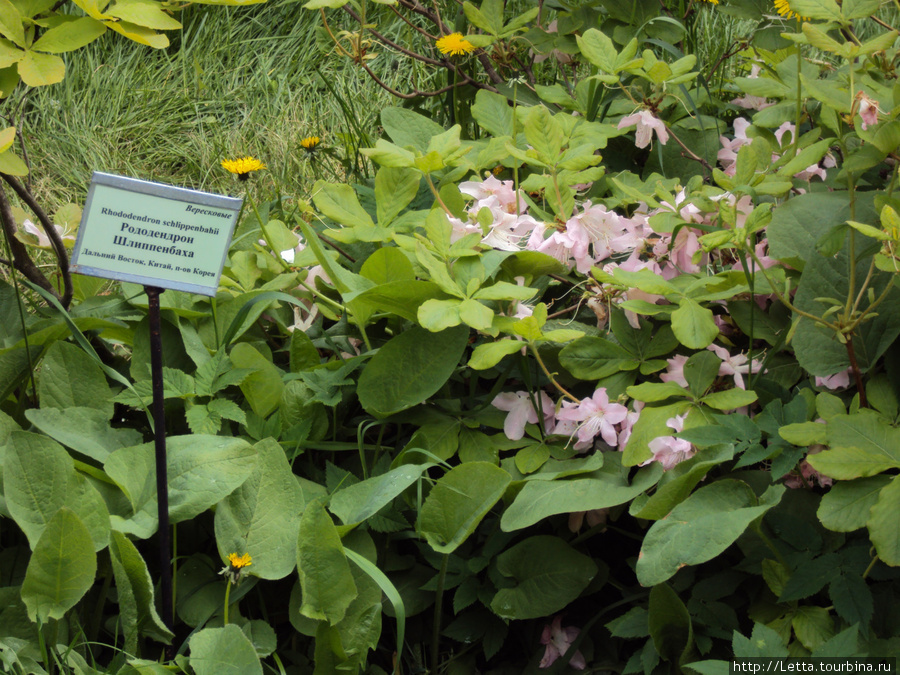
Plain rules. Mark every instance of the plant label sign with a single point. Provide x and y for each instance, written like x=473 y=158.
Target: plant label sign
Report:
x=154 y=234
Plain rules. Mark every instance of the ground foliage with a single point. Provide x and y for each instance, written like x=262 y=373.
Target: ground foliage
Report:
x=600 y=374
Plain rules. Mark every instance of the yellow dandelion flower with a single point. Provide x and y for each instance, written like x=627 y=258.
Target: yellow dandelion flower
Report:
x=712 y=2
x=242 y=166
x=239 y=561
x=783 y=7
x=310 y=143
x=455 y=45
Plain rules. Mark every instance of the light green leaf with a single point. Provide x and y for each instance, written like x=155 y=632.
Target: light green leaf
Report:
x=882 y=524
x=475 y=314
x=223 y=651
x=847 y=505
x=863 y=444
x=549 y=574
x=729 y=399
x=438 y=315
x=593 y=358
x=340 y=203
x=85 y=430
x=263 y=387
x=493 y=113
x=40 y=70
x=395 y=188
x=409 y=368
x=69 y=36
x=489 y=354
x=597 y=48
x=262 y=516
x=700 y=528
x=693 y=325
x=70 y=378
x=61 y=569
x=325 y=577
x=11 y=23
x=458 y=502
x=544 y=134
x=360 y=501
x=409 y=128
x=143 y=13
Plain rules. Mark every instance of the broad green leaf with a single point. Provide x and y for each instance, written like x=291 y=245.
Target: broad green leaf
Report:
x=36 y=475
x=694 y=325
x=325 y=577
x=852 y=599
x=147 y=36
x=764 y=641
x=863 y=444
x=340 y=203
x=605 y=487
x=883 y=530
x=701 y=370
x=70 y=36
x=670 y=624
x=144 y=13
x=475 y=314
x=202 y=470
x=11 y=163
x=223 y=651
x=813 y=626
x=360 y=501
x=409 y=368
x=438 y=315
x=409 y=128
x=458 y=502
x=700 y=528
x=134 y=589
x=11 y=23
x=262 y=516
x=549 y=574
x=387 y=265
x=650 y=425
x=85 y=430
x=597 y=48
x=846 y=506
x=493 y=113
x=544 y=134
x=489 y=354
x=826 y=10
x=263 y=387
x=388 y=154
x=69 y=378
x=402 y=298
x=85 y=501
x=41 y=70
x=61 y=569
x=304 y=354
x=859 y=9
x=729 y=399
x=593 y=358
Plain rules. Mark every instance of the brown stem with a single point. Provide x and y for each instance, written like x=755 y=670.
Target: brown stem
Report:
x=62 y=256
x=854 y=366
x=412 y=25
x=689 y=152
x=21 y=260
x=337 y=248
x=416 y=93
x=391 y=43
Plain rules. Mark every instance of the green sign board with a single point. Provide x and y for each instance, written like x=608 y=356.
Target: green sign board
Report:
x=154 y=234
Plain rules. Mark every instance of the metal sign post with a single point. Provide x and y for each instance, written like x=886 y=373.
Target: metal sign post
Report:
x=162 y=237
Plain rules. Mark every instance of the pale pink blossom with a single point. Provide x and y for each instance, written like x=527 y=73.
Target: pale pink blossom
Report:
x=839 y=380
x=752 y=102
x=728 y=154
x=868 y=111
x=521 y=411
x=668 y=450
x=627 y=425
x=646 y=123
x=605 y=230
x=635 y=264
x=558 y=639
x=42 y=239
x=675 y=370
x=736 y=365
x=596 y=416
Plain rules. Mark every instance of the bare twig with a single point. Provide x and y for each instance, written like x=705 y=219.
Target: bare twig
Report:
x=390 y=43
x=21 y=260
x=412 y=25
x=62 y=256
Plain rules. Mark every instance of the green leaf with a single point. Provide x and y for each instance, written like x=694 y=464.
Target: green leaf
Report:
x=202 y=470
x=70 y=35
x=223 y=651
x=859 y=9
x=144 y=13
x=670 y=624
x=883 y=530
x=325 y=577
x=650 y=424
x=597 y=48
x=11 y=23
x=608 y=486
x=825 y=10
x=700 y=528
x=69 y=378
x=408 y=128
x=729 y=399
x=549 y=574
x=340 y=203
x=458 y=502
x=764 y=641
x=593 y=358
x=36 y=475
x=11 y=163
x=493 y=113
x=360 y=501
x=134 y=589
x=863 y=444
x=852 y=599
x=85 y=430
x=303 y=353
x=693 y=325
x=41 y=70
x=813 y=626
x=61 y=569
x=409 y=368
x=475 y=314
x=701 y=370
x=262 y=516
x=846 y=506
x=544 y=134
x=264 y=386
x=489 y=354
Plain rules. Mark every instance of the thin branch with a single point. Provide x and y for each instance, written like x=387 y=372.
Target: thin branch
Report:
x=390 y=43
x=689 y=152
x=412 y=25
x=21 y=260
x=400 y=94
x=62 y=256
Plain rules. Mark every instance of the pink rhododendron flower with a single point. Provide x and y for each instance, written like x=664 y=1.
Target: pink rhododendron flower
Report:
x=668 y=450
x=752 y=102
x=635 y=264
x=42 y=239
x=627 y=425
x=646 y=125
x=605 y=230
x=728 y=154
x=868 y=111
x=736 y=366
x=558 y=640
x=839 y=380
x=521 y=411
x=596 y=415
x=675 y=370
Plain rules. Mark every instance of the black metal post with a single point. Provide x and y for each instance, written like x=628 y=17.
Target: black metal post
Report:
x=159 y=437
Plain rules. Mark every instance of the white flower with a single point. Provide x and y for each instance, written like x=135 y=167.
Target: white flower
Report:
x=646 y=125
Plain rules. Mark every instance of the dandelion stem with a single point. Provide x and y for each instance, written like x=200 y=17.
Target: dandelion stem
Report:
x=227 y=596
